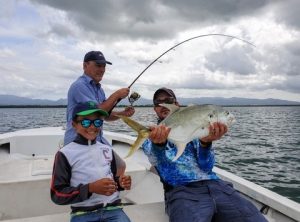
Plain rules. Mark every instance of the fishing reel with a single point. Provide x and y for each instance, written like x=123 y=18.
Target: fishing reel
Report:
x=133 y=97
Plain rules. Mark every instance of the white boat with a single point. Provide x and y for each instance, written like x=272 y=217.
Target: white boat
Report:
x=26 y=160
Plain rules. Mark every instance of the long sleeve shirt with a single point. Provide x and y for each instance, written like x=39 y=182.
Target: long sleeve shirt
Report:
x=195 y=164
x=78 y=164
x=82 y=90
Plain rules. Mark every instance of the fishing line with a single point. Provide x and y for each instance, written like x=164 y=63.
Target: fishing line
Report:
x=173 y=47
x=180 y=43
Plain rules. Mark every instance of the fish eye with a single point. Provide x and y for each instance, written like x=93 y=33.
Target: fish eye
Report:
x=210 y=115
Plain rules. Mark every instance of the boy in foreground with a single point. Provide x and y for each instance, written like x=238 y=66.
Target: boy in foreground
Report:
x=84 y=171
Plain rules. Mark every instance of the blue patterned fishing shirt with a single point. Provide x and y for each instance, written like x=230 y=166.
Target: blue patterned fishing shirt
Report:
x=195 y=164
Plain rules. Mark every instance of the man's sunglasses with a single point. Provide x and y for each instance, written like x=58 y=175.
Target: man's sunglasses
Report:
x=86 y=123
x=168 y=100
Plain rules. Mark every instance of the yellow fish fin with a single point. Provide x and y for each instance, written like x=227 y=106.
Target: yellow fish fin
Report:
x=133 y=124
x=142 y=136
x=143 y=133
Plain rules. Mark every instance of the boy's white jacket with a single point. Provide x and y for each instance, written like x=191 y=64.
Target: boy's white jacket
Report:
x=89 y=163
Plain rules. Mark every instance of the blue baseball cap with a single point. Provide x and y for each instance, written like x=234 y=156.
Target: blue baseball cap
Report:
x=87 y=108
x=96 y=56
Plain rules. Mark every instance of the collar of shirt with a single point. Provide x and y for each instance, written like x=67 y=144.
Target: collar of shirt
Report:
x=83 y=141
x=91 y=81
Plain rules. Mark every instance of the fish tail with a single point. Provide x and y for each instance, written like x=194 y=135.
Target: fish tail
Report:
x=133 y=124
x=137 y=143
x=143 y=134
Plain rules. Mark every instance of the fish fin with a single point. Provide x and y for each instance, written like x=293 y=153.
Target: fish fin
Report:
x=172 y=107
x=143 y=135
x=180 y=149
x=133 y=124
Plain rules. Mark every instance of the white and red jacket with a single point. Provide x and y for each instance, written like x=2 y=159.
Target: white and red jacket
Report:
x=76 y=165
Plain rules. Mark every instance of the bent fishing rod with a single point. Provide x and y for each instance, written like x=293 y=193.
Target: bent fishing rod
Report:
x=173 y=47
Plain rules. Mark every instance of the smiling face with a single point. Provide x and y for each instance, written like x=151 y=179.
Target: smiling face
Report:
x=94 y=70
x=91 y=132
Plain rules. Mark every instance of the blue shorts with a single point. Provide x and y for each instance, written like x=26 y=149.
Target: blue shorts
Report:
x=211 y=200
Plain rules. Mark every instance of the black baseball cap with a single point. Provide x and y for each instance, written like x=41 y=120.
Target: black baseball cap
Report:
x=96 y=56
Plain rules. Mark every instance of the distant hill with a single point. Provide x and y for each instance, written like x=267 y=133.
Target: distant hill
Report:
x=236 y=101
x=22 y=101
x=10 y=100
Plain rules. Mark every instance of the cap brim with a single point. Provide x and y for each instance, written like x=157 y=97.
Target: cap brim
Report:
x=165 y=90
x=103 y=62
x=88 y=112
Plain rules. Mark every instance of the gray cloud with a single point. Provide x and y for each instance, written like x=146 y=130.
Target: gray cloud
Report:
x=112 y=18
x=292 y=84
x=215 y=10
x=55 y=34
x=235 y=59
x=293 y=58
x=152 y=19
x=60 y=30
x=287 y=12
x=282 y=59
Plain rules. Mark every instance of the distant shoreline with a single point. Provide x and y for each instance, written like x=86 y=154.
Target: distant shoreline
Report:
x=139 y=106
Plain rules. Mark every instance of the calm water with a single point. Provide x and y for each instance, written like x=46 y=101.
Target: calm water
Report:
x=263 y=146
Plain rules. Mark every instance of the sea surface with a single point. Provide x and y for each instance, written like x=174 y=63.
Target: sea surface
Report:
x=263 y=146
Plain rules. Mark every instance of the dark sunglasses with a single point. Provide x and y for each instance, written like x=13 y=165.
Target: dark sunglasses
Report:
x=86 y=123
x=168 y=100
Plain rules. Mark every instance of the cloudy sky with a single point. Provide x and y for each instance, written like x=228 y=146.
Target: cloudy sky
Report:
x=42 y=44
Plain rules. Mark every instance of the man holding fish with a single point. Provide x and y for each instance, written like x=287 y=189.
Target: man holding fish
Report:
x=193 y=192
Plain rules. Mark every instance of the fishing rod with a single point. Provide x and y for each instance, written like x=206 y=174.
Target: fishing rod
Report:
x=180 y=43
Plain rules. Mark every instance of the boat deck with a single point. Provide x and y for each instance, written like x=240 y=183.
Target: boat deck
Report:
x=26 y=160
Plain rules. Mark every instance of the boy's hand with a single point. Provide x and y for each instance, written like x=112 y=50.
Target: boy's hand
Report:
x=105 y=186
x=125 y=181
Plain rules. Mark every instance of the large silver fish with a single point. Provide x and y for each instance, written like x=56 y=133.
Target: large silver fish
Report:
x=186 y=123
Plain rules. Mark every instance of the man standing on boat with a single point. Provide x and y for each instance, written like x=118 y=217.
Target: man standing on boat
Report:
x=193 y=192
x=88 y=88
